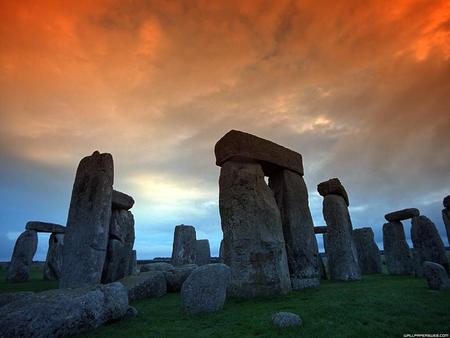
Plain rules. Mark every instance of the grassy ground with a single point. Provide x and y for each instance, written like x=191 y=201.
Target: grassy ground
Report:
x=377 y=306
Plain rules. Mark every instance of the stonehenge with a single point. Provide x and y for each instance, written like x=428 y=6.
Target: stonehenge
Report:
x=446 y=215
x=45 y=227
x=184 y=245
x=340 y=248
x=202 y=252
x=436 y=275
x=369 y=258
x=22 y=257
x=396 y=250
x=53 y=262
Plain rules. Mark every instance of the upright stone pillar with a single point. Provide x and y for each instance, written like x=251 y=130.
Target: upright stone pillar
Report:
x=291 y=195
x=22 y=257
x=341 y=251
x=184 y=245
x=87 y=231
x=203 y=252
x=221 y=260
x=253 y=243
x=369 y=258
x=427 y=242
x=396 y=250
x=132 y=265
x=446 y=216
x=53 y=262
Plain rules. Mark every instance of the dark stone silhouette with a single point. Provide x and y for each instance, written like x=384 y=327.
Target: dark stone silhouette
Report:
x=436 y=276
x=333 y=187
x=145 y=285
x=369 y=258
x=446 y=216
x=203 y=252
x=401 y=215
x=396 y=250
x=121 y=200
x=45 y=227
x=184 y=245
x=22 y=257
x=53 y=262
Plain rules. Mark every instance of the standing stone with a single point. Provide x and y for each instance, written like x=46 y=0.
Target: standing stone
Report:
x=87 y=230
x=221 y=260
x=369 y=258
x=341 y=251
x=253 y=242
x=120 y=246
x=53 y=262
x=132 y=265
x=436 y=275
x=203 y=252
x=333 y=187
x=427 y=242
x=322 y=269
x=184 y=245
x=396 y=250
x=291 y=195
x=446 y=216
x=22 y=257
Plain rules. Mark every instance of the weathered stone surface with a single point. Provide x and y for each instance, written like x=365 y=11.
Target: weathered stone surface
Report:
x=53 y=262
x=120 y=246
x=427 y=242
x=436 y=276
x=253 y=242
x=237 y=145
x=176 y=276
x=22 y=257
x=63 y=312
x=132 y=265
x=121 y=200
x=333 y=187
x=446 y=218
x=322 y=269
x=205 y=289
x=446 y=202
x=369 y=258
x=9 y=297
x=184 y=245
x=221 y=260
x=87 y=230
x=286 y=319
x=291 y=195
x=417 y=263
x=203 y=252
x=45 y=227
x=157 y=266
x=145 y=285
x=396 y=250
x=341 y=251
x=320 y=230
x=401 y=215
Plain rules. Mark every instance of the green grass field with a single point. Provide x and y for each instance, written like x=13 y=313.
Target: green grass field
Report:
x=377 y=306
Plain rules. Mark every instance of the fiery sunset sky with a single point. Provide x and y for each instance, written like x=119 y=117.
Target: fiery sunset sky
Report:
x=360 y=88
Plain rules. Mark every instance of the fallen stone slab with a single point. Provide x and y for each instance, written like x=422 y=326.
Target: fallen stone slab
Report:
x=401 y=215
x=286 y=319
x=205 y=289
x=9 y=297
x=157 y=266
x=176 y=277
x=436 y=276
x=45 y=227
x=121 y=200
x=238 y=145
x=63 y=312
x=333 y=187
x=22 y=257
x=145 y=285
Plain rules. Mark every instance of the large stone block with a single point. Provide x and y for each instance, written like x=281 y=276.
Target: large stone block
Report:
x=436 y=276
x=175 y=277
x=87 y=230
x=132 y=265
x=402 y=215
x=145 y=285
x=369 y=258
x=121 y=200
x=203 y=252
x=333 y=187
x=341 y=251
x=63 y=312
x=22 y=257
x=184 y=245
x=253 y=242
x=45 y=227
x=396 y=250
x=237 y=145
x=53 y=262
x=291 y=195
x=427 y=242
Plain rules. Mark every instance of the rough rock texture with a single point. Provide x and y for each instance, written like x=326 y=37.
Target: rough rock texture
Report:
x=121 y=200
x=333 y=187
x=436 y=276
x=22 y=257
x=320 y=230
x=369 y=258
x=396 y=250
x=427 y=242
x=145 y=285
x=322 y=269
x=132 y=265
x=253 y=242
x=157 y=266
x=203 y=252
x=120 y=246
x=401 y=215
x=53 y=262
x=45 y=227
x=291 y=195
x=176 y=277
x=221 y=260
x=237 y=145
x=341 y=251
x=446 y=218
x=205 y=289
x=286 y=319
x=87 y=230
x=9 y=297
x=184 y=245
x=63 y=312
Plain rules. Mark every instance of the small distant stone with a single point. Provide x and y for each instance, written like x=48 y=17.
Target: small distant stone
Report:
x=157 y=266
x=131 y=312
x=436 y=276
x=401 y=215
x=286 y=319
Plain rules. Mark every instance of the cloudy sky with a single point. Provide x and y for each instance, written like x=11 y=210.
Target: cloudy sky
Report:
x=360 y=88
